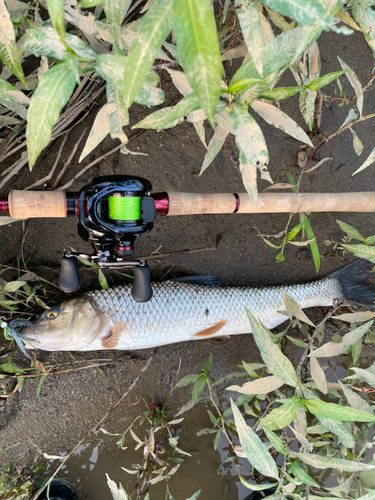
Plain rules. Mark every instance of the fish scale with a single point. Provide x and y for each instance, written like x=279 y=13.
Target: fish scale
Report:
x=178 y=311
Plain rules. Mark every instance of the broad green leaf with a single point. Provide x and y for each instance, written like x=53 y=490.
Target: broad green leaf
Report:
x=301 y=475
x=252 y=31
x=115 y=10
x=86 y=4
x=324 y=80
x=306 y=12
x=156 y=119
x=53 y=92
x=366 y=19
x=99 y=130
x=102 y=280
x=154 y=28
x=344 y=347
x=321 y=462
x=245 y=84
x=256 y=487
x=112 y=68
x=318 y=375
x=280 y=417
x=279 y=93
x=150 y=94
x=367 y=478
x=199 y=386
x=10 y=368
x=255 y=451
x=277 y=118
x=370 y=160
x=260 y=386
x=358 y=317
x=363 y=251
x=180 y=81
x=195 y=496
x=215 y=145
x=297 y=342
x=8 y=48
x=56 y=12
x=341 y=429
x=355 y=83
x=188 y=406
x=350 y=231
x=276 y=361
x=184 y=107
x=13 y=286
x=44 y=41
x=356 y=401
x=188 y=379
x=294 y=311
x=118 y=493
x=198 y=49
x=249 y=138
x=357 y=144
x=336 y=412
x=119 y=118
x=275 y=441
x=346 y=18
x=368 y=375
x=280 y=53
x=11 y=94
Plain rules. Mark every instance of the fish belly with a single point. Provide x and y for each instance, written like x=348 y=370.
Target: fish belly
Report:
x=179 y=311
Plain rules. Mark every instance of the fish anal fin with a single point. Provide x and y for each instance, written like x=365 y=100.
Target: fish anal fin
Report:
x=111 y=341
x=212 y=329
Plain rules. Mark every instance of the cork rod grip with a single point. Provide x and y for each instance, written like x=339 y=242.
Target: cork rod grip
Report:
x=32 y=204
x=189 y=203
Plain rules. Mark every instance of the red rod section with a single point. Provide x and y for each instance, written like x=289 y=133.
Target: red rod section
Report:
x=161 y=203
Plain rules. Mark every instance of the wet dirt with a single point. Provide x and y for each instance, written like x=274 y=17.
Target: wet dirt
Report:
x=71 y=403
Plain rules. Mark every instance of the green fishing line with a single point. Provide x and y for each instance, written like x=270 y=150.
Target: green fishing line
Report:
x=126 y=208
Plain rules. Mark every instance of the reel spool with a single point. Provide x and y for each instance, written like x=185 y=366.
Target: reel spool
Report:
x=113 y=212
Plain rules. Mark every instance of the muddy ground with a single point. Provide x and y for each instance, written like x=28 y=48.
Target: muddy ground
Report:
x=71 y=403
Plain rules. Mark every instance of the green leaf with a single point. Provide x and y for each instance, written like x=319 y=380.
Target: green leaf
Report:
x=363 y=251
x=102 y=280
x=355 y=400
x=318 y=375
x=263 y=385
x=350 y=231
x=245 y=84
x=115 y=10
x=344 y=347
x=249 y=178
x=294 y=311
x=156 y=119
x=280 y=417
x=199 y=386
x=297 y=342
x=301 y=475
x=307 y=100
x=198 y=49
x=56 y=12
x=341 y=429
x=10 y=368
x=188 y=379
x=255 y=451
x=368 y=375
x=306 y=12
x=153 y=29
x=252 y=31
x=195 y=496
x=184 y=107
x=208 y=364
x=321 y=462
x=150 y=94
x=277 y=118
x=370 y=160
x=99 y=130
x=86 y=4
x=256 y=487
x=53 y=92
x=217 y=440
x=279 y=93
x=318 y=83
x=336 y=412
x=367 y=478
x=275 y=360
x=357 y=144
x=214 y=147
x=8 y=48
x=275 y=441
x=313 y=244
x=111 y=67
x=280 y=53
x=9 y=447
x=13 y=286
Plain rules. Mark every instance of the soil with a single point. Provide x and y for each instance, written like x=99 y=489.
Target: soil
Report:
x=70 y=404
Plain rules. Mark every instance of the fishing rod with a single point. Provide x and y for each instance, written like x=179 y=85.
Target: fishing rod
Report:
x=114 y=211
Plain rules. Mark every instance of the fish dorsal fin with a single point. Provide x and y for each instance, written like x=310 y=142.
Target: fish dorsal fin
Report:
x=199 y=280
x=212 y=329
x=111 y=341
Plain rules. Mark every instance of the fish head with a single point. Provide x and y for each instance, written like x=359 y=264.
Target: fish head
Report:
x=69 y=326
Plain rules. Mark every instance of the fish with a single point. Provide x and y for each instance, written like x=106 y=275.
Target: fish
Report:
x=183 y=310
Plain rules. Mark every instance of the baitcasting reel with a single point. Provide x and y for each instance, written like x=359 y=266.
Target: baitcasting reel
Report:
x=113 y=212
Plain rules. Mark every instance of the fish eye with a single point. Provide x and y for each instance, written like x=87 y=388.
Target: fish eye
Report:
x=52 y=313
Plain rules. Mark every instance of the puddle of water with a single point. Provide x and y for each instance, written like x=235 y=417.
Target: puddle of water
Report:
x=86 y=471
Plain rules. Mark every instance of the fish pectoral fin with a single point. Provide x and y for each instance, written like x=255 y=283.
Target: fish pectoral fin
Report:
x=212 y=329
x=111 y=341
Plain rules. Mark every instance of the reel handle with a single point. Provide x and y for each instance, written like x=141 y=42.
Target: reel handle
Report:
x=142 y=289
x=70 y=279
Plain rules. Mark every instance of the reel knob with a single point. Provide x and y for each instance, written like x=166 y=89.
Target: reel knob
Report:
x=142 y=289
x=70 y=279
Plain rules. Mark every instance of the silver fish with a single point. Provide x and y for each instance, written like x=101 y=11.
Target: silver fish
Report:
x=178 y=311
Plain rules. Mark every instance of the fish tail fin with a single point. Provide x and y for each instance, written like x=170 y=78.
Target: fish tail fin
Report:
x=357 y=281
